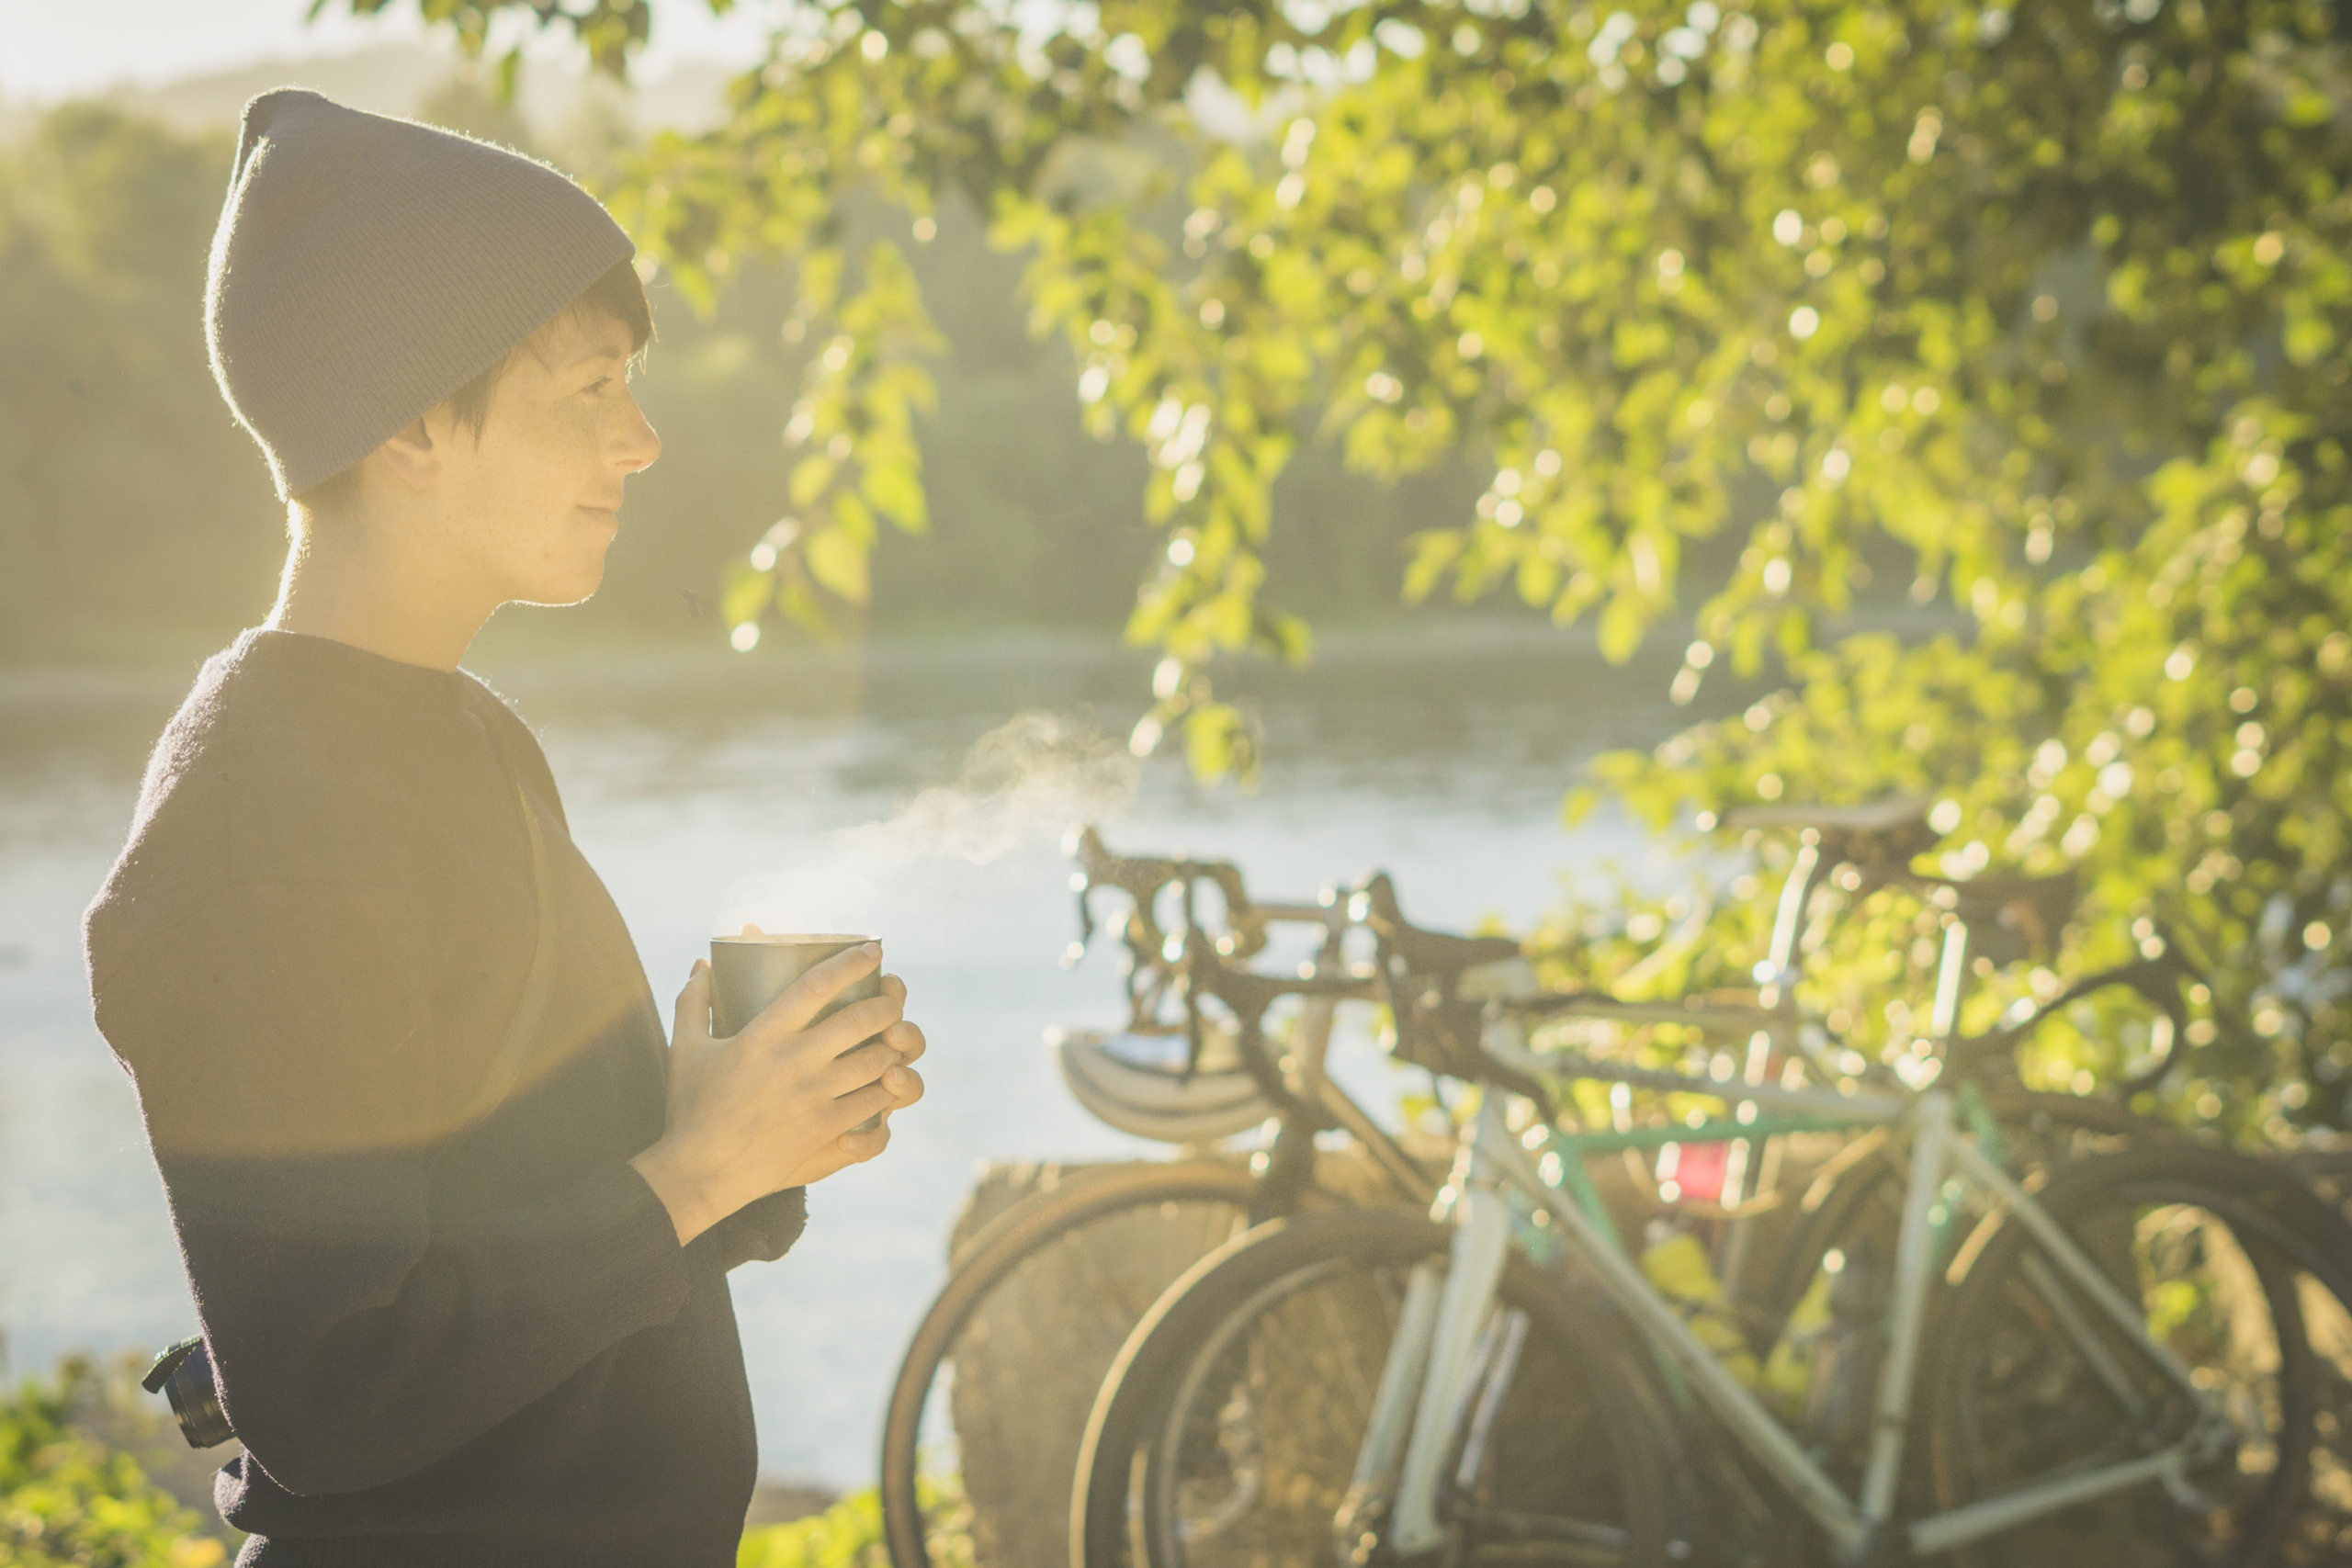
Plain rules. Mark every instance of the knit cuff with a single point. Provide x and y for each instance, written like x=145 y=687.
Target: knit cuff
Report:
x=761 y=1231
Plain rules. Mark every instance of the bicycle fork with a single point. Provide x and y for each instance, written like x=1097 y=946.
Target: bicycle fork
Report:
x=1440 y=1365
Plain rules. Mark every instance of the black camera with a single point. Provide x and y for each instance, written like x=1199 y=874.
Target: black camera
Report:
x=183 y=1374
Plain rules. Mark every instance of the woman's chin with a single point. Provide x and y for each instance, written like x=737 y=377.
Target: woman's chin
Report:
x=573 y=588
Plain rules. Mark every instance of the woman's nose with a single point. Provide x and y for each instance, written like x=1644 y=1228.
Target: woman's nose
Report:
x=638 y=444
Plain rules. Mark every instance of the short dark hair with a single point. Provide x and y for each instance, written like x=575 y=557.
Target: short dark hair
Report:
x=619 y=294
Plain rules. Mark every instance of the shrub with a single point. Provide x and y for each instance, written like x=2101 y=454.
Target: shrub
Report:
x=68 y=1501
x=849 y=1534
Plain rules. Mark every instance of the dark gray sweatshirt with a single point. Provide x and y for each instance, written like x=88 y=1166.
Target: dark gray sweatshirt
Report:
x=443 y=1338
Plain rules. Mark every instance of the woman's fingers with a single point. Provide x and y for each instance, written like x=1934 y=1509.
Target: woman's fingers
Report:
x=855 y=1070
x=854 y=1024
x=865 y=1144
x=693 y=1016
x=905 y=1038
x=894 y=986
x=806 y=996
x=905 y=1085
x=859 y=1104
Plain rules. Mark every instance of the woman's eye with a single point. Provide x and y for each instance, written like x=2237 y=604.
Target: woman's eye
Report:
x=599 y=385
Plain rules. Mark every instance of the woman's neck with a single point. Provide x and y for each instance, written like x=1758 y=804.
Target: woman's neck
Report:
x=342 y=581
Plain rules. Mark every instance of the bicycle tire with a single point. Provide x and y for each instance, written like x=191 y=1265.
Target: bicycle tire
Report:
x=1634 y=1458
x=2001 y=1380
x=983 y=1264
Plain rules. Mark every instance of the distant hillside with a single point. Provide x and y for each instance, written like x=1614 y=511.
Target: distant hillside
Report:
x=395 y=78
x=392 y=78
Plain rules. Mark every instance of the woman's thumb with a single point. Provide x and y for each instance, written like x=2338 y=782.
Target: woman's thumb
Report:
x=693 y=1006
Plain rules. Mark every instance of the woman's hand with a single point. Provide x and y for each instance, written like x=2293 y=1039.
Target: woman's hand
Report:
x=775 y=1106
x=906 y=1086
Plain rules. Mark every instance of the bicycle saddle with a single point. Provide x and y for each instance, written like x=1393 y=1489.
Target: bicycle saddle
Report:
x=1871 y=816
x=1880 y=832
x=1424 y=951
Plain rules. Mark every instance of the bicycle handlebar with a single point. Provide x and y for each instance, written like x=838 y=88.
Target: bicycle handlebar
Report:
x=2161 y=981
x=1141 y=878
x=1419 y=969
x=1205 y=967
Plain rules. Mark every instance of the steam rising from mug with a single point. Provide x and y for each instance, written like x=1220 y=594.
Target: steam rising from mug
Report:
x=1021 y=784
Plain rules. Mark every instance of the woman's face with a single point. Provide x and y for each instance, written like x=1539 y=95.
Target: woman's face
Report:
x=534 y=502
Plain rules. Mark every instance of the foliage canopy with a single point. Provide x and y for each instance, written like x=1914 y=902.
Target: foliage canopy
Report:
x=2035 y=317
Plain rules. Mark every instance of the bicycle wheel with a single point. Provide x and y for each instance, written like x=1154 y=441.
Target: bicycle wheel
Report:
x=985 y=1418
x=1864 y=1199
x=2233 y=1262
x=1227 y=1435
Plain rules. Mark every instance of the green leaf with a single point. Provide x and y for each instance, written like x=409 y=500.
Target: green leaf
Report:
x=896 y=492
x=810 y=477
x=839 y=562
x=1622 y=623
x=1433 y=552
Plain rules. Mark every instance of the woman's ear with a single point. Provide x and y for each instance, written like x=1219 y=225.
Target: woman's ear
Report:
x=413 y=456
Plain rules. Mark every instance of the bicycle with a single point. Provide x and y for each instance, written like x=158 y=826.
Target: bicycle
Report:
x=1854 y=852
x=1195 y=1200
x=1165 y=1214
x=1191 y=1394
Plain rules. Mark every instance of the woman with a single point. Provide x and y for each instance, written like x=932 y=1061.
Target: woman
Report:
x=457 y=1219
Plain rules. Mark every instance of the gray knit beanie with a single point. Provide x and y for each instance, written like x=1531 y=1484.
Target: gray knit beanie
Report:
x=365 y=268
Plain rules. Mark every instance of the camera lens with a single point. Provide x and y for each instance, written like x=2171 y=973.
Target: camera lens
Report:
x=197 y=1402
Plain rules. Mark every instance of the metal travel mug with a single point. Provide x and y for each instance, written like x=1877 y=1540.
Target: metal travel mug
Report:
x=749 y=972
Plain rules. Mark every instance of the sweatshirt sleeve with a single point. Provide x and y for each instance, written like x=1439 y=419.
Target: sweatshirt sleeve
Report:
x=761 y=1231
x=295 y=1092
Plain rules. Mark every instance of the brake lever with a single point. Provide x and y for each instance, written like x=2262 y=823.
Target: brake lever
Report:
x=1195 y=1041
x=1076 y=950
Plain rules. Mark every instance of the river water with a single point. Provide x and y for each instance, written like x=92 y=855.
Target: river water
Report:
x=693 y=787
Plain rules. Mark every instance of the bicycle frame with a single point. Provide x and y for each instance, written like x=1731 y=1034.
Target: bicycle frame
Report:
x=1492 y=1162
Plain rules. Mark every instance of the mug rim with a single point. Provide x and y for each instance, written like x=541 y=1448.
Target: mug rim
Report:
x=796 y=939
